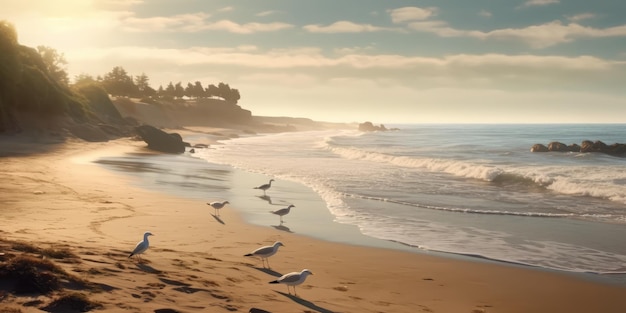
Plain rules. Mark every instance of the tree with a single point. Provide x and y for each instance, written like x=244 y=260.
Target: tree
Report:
x=142 y=83
x=234 y=96
x=160 y=92
x=55 y=64
x=179 y=90
x=198 y=90
x=212 y=91
x=83 y=79
x=9 y=75
x=118 y=82
x=223 y=90
x=189 y=90
x=149 y=92
x=170 y=90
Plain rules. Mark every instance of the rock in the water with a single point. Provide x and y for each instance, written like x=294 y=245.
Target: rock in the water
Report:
x=616 y=149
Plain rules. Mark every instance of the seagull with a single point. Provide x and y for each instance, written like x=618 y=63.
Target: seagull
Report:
x=282 y=212
x=266 y=252
x=218 y=205
x=265 y=187
x=292 y=279
x=141 y=246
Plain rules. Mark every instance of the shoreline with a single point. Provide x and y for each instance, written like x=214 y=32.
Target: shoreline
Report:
x=47 y=191
x=334 y=231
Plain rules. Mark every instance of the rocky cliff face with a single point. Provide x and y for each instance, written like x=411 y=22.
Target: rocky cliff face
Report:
x=205 y=112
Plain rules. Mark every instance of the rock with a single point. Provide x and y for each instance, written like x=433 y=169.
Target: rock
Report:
x=587 y=146
x=368 y=127
x=159 y=140
x=599 y=146
x=574 y=148
x=539 y=148
x=557 y=146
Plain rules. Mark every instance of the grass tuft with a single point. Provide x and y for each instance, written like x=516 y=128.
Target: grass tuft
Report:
x=55 y=253
x=72 y=301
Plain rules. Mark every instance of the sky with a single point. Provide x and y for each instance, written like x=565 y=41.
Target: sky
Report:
x=384 y=61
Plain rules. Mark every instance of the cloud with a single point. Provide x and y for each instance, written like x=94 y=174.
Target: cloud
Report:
x=580 y=17
x=484 y=13
x=113 y=4
x=247 y=28
x=196 y=22
x=176 y=23
x=346 y=27
x=268 y=13
x=406 y=14
x=549 y=34
x=532 y=3
x=536 y=36
x=225 y=9
x=352 y=50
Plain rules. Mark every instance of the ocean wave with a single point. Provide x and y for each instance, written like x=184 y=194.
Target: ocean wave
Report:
x=475 y=211
x=590 y=181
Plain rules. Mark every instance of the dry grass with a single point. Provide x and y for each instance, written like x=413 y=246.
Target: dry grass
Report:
x=55 y=253
x=32 y=275
x=72 y=301
x=28 y=269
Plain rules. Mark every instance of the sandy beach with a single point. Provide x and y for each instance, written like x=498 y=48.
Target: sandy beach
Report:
x=54 y=196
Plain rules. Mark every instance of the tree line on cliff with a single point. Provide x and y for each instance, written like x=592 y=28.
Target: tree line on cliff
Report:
x=118 y=82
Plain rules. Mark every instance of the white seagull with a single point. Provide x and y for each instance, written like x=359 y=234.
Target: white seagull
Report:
x=141 y=246
x=282 y=212
x=292 y=279
x=265 y=187
x=265 y=252
x=218 y=205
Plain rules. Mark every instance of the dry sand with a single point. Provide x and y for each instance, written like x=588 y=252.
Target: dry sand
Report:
x=53 y=196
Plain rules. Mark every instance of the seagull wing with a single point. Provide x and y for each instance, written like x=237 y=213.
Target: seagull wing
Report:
x=263 y=250
x=141 y=247
x=290 y=278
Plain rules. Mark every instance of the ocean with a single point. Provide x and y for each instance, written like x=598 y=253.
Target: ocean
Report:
x=465 y=189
